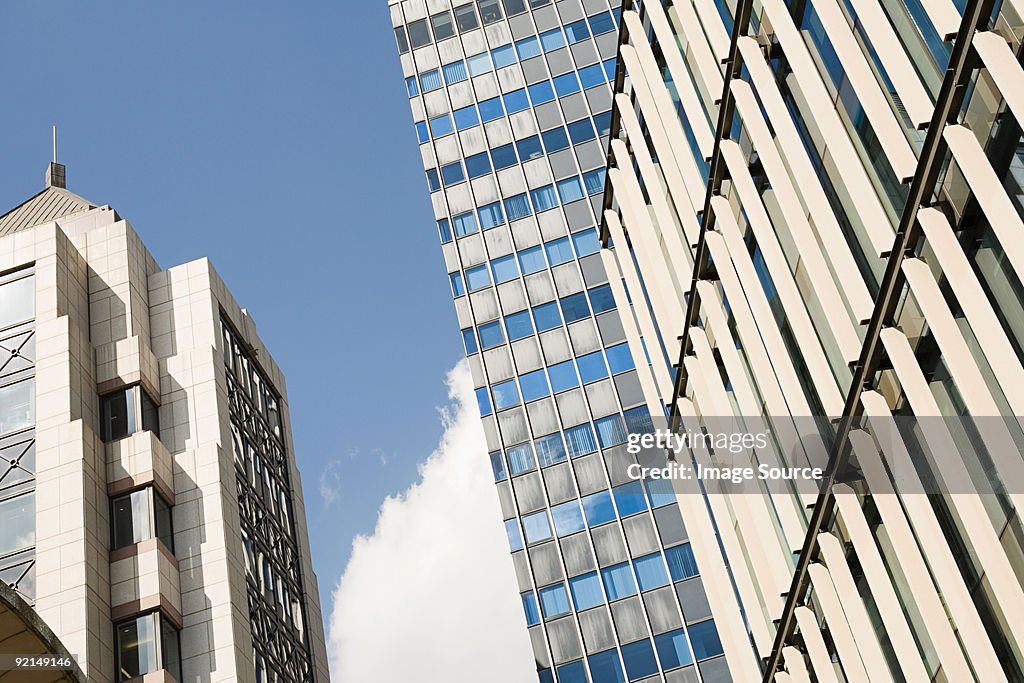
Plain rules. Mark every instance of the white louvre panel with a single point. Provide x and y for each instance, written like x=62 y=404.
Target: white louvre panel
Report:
x=1004 y=68
x=688 y=26
x=824 y=669
x=839 y=627
x=944 y=17
x=795 y=665
x=714 y=29
x=783 y=677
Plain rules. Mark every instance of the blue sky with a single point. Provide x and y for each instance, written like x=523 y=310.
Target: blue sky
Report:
x=274 y=138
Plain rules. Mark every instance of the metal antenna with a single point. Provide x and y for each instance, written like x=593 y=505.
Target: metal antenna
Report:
x=55 y=144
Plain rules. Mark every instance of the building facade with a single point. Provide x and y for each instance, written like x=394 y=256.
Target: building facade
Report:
x=152 y=511
x=822 y=202
x=511 y=104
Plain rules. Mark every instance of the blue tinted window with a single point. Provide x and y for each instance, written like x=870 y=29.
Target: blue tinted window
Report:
x=479 y=64
x=503 y=156
x=610 y=431
x=478 y=165
x=545 y=676
x=544 y=198
x=422 y=134
x=498 y=466
x=591 y=367
x=529 y=148
x=530 y=608
x=549 y=451
x=517 y=207
x=430 y=80
x=554 y=601
x=563 y=376
x=650 y=571
x=594 y=181
x=567 y=517
x=604 y=122
x=555 y=139
x=528 y=47
x=629 y=498
x=597 y=507
x=619 y=358
x=586 y=242
x=541 y=92
x=469 y=341
x=547 y=316
x=609 y=68
x=516 y=101
x=586 y=591
x=458 y=287
x=444 y=229
x=660 y=492
x=570 y=189
x=433 y=180
x=515 y=539
x=552 y=40
x=574 y=307
x=452 y=173
x=566 y=84
x=442 y=125
x=639 y=660
x=581 y=440
x=581 y=131
x=592 y=75
x=520 y=458
x=681 y=564
x=673 y=650
x=503 y=56
x=534 y=385
x=518 y=325
x=572 y=672
x=532 y=260
x=601 y=23
x=638 y=420
x=477 y=278
x=704 y=637
x=601 y=299
x=577 y=31
x=412 y=86
x=505 y=395
x=465 y=223
x=455 y=72
x=466 y=117
x=559 y=251
x=491 y=334
x=504 y=269
x=491 y=109
x=484 y=401
x=537 y=528
x=491 y=215
x=618 y=581
x=605 y=668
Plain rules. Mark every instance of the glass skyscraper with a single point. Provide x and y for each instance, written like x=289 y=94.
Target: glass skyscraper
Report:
x=511 y=103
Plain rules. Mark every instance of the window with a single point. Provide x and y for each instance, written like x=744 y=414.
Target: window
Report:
x=586 y=242
x=505 y=395
x=639 y=659
x=546 y=316
x=567 y=517
x=529 y=148
x=573 y=672
x=577 y=31
x=535 y=385
x=479 y=64
x=483 y=400
x=503 y=156
x=537 y=527
x=465 y=18
x=605 y=668
x=629 y=498
x=516 y=101
x=122 y=412
x=673 y=650
x=478 y=165
x=458 y=286
x=592 y=75
x=566 y=84
x=604 y=122
x=601 y=23
x=660 y=492
x=18 y=530
x=518 y=325
x=419 y=34
x=555 y=139
x=400 y=38
x=441 y=125
x=433 y=180
x=18 y=407
x=515 y=539
x=517 y=207
x=650 y=572
x=504 y=269
x=430 y=80
x=530 y=608
x=422 y=134
x=563 y=376
x=465 y=224
x=490 y=215
x=581 y=440
x=586 y=591
x=552 y=40
x=466 y=117
x=544 y=198
x=444 y=229
x=558 y=250
x=591 y=367
x=491 y=335
x=594 y=181
x=601 y=299
x=550 y=449
x=528 y=47
x=597 y=508
x=146 y=644
x=513 y=7
x=539 y=3
x=452 y=173
x=569 y=190
x=412 y=86
x=619 y=358
x=581 y=131
x=553 y=601
x=681 y=564
x=498 y=466
x=490 y=11
x=455 y=72
x=541 y=92
x=532 y=260
x=139 y=516
x=520 y=459
x=610 y=65
x=477 y=278
x=442 y=25
x=574 y=307
x=610 y=431
x=503 y=56
x=469 y=341
x=491 y=109
x=704 y=637
x=618 y=581
x=638 y=420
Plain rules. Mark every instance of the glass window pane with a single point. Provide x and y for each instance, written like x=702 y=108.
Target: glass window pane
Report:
x=605 y=668
x=593 y=75
x=162 y=521
x=412 y=86
x=534 y=385
x=704 y=637
x=491 y=334
x=503 y=56
x=586 y=242
x=433 y=180
x=491 y=109
x=601 y=299
x=544 y=198
x=555 y=139
x=516 y=101
x=597 y=508
x=170 y=649
x=518 y=325
x=515 y=539
x=618 y=581
x=498 y=466
x=19 y=523
x=520 y=459
x=400 y=38
x=550 y=449
x=466 y=117
x=528 y=47
x=629 y=498
x=430 y=80
x=563 y=376
x=681 y=564
x=479 y=64
x=541 y=92
x=650 y=572
x=610 y=431
x=483 y=399
x=603 y=122
x=566 y=84
x=478 y=165
x=117 y=414
x=465 y=223
x=536 y=527
x=442 y=25
x=422 y=134
x=136 y=647
x=639 y=660
x=455 y=72
x=517 y=207
x=573 y=672
x=491 y=215
x=452 y=173
x=478 y=278
x=458 y=286
x=554 y=601
x=569 y=190
x=619 y=358
x=504 y=269
x=552 y=40
x=504 y=157
x=529 y=148
x=559 y=251
x=465 y=18
x=574 y=307
x=419 y=34
x=441 y=125
x=601 y=23
x=581 y=131
x=469 y=340
x=586 y=591
x=490 y=11
x=505 y=395
x=513 y=7
x=594 y=181
x=591 y=367
x=577 y=31
x=531 y=260
x=567 y=517
x=530 y=608
x=547 y=317
x=581 y=440
x=673 y=650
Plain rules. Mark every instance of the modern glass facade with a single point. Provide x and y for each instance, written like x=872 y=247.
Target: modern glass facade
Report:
x=511 y=105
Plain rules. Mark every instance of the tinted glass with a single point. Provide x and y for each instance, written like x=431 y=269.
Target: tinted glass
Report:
x=443 y=26
x=419 y=34
x=465 y=18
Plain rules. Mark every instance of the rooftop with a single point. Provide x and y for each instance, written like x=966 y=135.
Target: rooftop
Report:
x=54 y=202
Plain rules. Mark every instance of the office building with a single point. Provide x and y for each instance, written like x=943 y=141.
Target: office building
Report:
x=152 y=510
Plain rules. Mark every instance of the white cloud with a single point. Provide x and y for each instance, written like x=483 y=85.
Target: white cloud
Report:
x=430 y=595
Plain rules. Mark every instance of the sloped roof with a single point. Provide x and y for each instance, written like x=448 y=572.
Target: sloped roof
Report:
x=49 y=205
